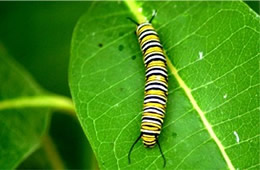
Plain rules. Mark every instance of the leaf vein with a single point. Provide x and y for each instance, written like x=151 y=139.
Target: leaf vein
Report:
x=201 y=114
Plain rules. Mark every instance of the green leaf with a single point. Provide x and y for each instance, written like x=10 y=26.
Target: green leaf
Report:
x=212 y=119
x=20 y=129
x=47 y=33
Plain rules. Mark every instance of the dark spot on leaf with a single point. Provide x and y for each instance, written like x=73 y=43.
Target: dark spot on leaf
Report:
x=121 y=89
x=100 y=45
x=121 y=34
x=120 y=47
x=112 y=144
x=174 y=134
x=133 y=57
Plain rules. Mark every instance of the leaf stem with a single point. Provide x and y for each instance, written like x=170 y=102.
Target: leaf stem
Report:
x=50 y=101
x=136 y=10
x=52 y=153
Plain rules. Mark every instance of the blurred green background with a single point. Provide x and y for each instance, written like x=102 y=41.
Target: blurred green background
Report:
x=38 y=35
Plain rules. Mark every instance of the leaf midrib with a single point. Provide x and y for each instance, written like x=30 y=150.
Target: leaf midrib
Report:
x=205 y=122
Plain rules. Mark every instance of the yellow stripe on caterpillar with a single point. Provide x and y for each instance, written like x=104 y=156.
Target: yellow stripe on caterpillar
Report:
x=159 y=116
x=155 y=105
x=149 y=143
x=148 y=139
x=156 y=92
x=153 y=49
x=156 y=77
x=148 y=38
x=146 y=126
x=146 y=27
x=156 y=63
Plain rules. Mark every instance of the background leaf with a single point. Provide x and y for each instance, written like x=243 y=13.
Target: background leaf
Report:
x=38 y=35
x=20 y=129
x=213 y=107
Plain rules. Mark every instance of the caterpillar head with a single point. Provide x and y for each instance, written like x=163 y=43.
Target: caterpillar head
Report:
x=150 y=140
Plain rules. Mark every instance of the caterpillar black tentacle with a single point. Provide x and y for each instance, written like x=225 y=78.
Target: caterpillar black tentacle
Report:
x=156 y=86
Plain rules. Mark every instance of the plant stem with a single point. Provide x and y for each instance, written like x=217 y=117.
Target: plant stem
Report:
x=136 y=10
x=50 y=101
x=52 y=153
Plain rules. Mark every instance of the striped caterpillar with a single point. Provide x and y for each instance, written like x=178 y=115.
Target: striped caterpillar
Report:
x=156 y=86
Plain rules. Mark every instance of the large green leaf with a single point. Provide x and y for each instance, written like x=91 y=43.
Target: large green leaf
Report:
x=20 y=129
x=212 y=119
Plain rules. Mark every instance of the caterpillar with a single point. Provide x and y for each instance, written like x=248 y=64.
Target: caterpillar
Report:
x=156 y=85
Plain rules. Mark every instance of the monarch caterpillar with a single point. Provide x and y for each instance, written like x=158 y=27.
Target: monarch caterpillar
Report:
x=156 y=85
